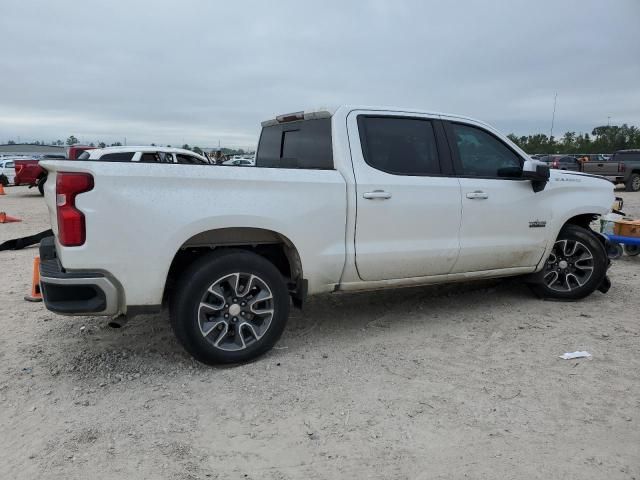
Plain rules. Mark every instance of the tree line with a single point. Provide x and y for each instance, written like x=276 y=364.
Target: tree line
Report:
x=603 y=139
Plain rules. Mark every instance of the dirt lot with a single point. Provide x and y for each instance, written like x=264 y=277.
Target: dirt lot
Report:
x=454 y=382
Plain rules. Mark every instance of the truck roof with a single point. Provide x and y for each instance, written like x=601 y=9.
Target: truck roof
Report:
x=327 y=112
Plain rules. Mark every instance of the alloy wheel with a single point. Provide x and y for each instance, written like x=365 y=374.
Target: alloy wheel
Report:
x=235 y=311
x=569 y=266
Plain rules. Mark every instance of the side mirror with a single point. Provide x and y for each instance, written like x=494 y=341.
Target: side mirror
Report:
x=537 y=172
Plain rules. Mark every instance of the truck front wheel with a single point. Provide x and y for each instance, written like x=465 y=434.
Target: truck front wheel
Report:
x=229 y=307
x=633 y=183
x=576 y=266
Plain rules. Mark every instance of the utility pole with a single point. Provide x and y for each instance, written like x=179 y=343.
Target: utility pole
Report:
x=608 y=121
x=125 y=141
x=553 y=117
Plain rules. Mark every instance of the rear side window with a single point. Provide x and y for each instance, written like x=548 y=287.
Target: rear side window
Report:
x=400 y=146
x=483 y=155
x=304 y=144
x=117 y=157
x=151 y=157
x=189 y=159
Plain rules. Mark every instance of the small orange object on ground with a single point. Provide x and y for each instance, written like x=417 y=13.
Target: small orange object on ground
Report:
x=36 y=294
x=4 y=218
x=2 y=192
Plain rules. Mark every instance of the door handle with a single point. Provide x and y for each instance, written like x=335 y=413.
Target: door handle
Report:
x=376 y=194
x=477 y=195
x=601 y=164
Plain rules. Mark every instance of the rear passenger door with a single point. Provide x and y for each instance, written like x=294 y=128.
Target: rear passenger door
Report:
x=408 y=204
x=503 y=220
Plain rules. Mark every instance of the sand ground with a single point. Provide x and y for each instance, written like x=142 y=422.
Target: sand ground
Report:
x=425 y=383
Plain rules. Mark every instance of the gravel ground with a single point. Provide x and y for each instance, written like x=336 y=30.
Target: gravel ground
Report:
x=453 y=382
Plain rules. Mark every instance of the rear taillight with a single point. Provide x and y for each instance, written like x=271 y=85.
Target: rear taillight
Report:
x=71 y=225
x=555 y=164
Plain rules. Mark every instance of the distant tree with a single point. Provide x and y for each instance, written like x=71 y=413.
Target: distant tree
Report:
x=91 y=144
x=186 y=146
x=197 y=150
x=59 y=142
x=102 y=145
x=116 y=144
x=153 y=144
x=169 y=146
x=71 y=140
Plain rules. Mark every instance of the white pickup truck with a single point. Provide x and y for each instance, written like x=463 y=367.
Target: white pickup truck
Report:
x=339 y=200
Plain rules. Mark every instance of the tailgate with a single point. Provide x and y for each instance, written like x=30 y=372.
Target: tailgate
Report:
x=27 y=171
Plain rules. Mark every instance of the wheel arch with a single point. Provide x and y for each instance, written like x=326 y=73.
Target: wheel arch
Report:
x=269 y=244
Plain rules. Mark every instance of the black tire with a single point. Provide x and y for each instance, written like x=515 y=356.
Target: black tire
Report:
x=566 y=285
x=4 y=181
x=633 y=183
x=632 y=250
x=614 y=251
x=41 y=183
x=196 y=284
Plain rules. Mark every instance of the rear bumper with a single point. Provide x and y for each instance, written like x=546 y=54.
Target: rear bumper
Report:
x=74 y=293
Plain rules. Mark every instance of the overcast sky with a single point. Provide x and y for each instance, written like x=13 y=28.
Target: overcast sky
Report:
x=200 y=71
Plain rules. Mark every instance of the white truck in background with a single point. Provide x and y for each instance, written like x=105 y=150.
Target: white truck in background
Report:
x=354 y=198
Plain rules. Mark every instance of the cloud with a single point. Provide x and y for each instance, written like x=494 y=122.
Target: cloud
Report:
x=197 y=71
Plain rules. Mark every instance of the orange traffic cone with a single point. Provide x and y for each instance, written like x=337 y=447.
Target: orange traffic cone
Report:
x=36 y=294
x=4 y=218
x=2 y=189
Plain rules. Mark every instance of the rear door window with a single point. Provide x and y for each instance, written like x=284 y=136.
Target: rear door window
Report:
x=398 y=145
x=150 y=157
x=303 y=144
x=189 y=159
x=117 y=157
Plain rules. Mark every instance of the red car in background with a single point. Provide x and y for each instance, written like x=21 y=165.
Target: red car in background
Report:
x=29 y=172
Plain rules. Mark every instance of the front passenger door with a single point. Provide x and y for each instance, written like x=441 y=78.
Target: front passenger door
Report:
x=503 y=221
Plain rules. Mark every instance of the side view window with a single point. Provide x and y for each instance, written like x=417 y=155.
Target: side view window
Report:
x=150 y=158
x=189 y=159
x=400 y=146
x=483 y=155
x=117 y=157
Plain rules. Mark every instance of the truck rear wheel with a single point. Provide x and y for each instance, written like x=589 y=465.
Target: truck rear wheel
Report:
x=230 y=307
x=576 y=266
x=633 y=183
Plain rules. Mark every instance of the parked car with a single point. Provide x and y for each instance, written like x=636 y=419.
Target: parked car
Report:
x=29 y=172
x=344 y=200
x=240 y=162
x=7 y=171
x=592 y=164
x=629 y=160
x=145 y=154
x=561 y=162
